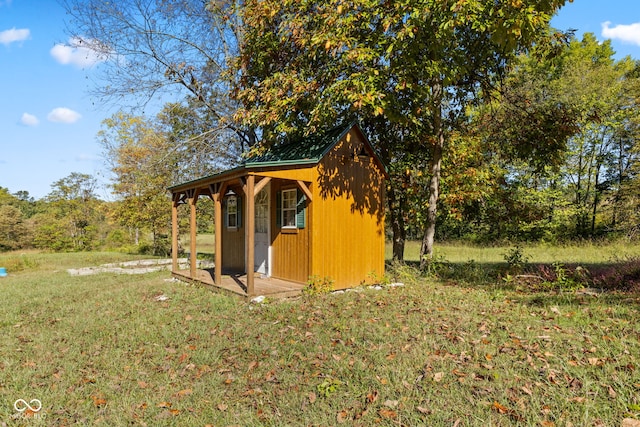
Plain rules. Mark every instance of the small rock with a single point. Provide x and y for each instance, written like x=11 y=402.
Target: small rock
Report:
x=259 y=299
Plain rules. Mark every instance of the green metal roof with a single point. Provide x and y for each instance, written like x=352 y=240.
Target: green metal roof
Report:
x=304 y=151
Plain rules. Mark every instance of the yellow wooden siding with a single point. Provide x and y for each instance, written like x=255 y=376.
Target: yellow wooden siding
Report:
x=301 y=173
x=289 y=248
x=348 y=216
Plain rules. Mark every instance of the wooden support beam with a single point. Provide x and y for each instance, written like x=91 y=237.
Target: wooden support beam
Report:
x=244 y=185
x=193 y=229
x=174 y=235
x=261 y=184
x=217 y=200
x=306 y=190
x=250 y=237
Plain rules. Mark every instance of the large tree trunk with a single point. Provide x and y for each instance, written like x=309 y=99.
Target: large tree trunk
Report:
x=397 y=224
x=426 y=249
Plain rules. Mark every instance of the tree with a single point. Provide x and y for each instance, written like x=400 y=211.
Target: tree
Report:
x=418 y=64
x=197 y=148
x=13 y=230
x=71 y=218
x=157 y=49
x=143 y=165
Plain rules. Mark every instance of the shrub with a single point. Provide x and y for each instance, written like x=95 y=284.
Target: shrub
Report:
x=625 y=275
x=516 y=260
x=317 y=285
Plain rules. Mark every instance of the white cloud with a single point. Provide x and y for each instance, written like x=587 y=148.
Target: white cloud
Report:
x=63 y=115
x=10 y=36
x=626 y=33
x=79 y=52
x=29 y=120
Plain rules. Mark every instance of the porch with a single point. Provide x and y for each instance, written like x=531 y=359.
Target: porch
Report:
x=236 y=284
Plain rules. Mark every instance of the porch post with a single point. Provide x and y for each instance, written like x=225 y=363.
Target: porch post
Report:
x=174 y=233
x=193 y=228
x=217 y=201
x=251 y=226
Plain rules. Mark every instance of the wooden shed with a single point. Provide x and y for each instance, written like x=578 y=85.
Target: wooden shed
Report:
x=307 y=210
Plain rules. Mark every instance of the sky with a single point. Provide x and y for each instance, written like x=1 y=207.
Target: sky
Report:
x=49 y=122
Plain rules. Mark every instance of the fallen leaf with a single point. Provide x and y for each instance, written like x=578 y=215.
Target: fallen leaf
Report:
x=630 y=422
x=372 y=397
x=98 y=401
x=312 y=397
x=424 y=411
x=270 y=376
x=142 y=384
x=437 y=377
x=391 y=403
x=506 y=411
x=594 y=361
x=165 y=405
x=185 y=392
x=174 y=412
x=499 y=408
x=342 y=416
x=388 y=413
x=222 y=407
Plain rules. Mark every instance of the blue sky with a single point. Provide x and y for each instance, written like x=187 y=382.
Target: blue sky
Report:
x=48 y=121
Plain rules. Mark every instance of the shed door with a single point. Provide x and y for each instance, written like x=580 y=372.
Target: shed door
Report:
x=261 y=260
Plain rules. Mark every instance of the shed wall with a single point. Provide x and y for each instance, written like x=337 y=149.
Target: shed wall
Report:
x=348 y=215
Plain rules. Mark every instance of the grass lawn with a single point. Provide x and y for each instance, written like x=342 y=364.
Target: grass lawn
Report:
x=105 y=350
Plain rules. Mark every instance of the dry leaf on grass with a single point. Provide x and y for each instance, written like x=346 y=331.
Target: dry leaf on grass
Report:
x=630 y=422
x=185 y=392
x=388 y=413
x=423 y=410
x=98 y=401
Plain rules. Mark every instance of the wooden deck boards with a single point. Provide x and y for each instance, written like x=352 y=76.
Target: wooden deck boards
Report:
x=236 y=284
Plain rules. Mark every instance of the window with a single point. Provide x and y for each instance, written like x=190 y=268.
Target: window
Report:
x=232 y=212
x=289 y=202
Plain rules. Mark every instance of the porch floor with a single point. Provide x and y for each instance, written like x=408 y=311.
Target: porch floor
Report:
x=236 y=283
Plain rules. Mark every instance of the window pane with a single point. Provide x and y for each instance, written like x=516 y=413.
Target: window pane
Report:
x=232 y=212
x=289 y=208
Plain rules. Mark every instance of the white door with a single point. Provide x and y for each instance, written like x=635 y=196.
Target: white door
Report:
x=261 y=260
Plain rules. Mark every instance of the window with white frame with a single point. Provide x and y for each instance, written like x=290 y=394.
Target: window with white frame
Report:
x=289 y=201
x=232 y=212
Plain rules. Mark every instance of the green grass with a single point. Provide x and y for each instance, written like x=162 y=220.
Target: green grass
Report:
x=102 y=350
x=586 y=253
